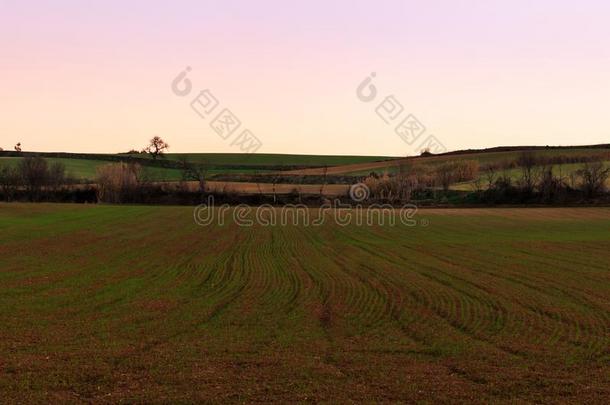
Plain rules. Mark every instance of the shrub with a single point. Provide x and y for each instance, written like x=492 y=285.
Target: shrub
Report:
x=456 y=172
x=34 y=175
x=550 y=187
x=381 y=187
x=56 y=176
x=594 y=176
x=398 y=188
x=119 y=182
x=9 y=181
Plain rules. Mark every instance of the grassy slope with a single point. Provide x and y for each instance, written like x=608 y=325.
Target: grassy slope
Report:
x=85 y=169
x=274 y=159
x=485 y=158
x=137 y=304
x=563 y=171
x=493 y=157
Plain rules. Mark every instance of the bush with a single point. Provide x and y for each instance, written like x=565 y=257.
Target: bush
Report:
x=398 y=188
x=34 y=174
x=384 y=187
x=550 y=187
x=119 y=182
x=56 y=176
x=32 y=178
x=594 y=176
x=9 y=181
x=456 y=172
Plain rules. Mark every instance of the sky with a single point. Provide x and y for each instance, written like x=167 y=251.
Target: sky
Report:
x=96 y=76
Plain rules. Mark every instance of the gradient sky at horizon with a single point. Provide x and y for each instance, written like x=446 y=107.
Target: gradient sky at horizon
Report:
x=95 y=76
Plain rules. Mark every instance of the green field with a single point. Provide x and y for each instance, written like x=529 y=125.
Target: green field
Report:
x=85 y=169
x=138 y=304
x=486 y=158
x=561 y=171
x=273 y=159
x=235 y=163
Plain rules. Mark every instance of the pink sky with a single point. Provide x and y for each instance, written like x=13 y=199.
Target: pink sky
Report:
x=95 y=76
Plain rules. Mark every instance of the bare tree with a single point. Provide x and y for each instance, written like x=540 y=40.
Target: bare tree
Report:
x=551 y=187
x=9 y=180
x=594 y=176
x=406 y=181
x=18 y=147
x=324 y=180
x=56 y=176
x=504 y=179
x=274 y=182
x=34 y=174
x=195 y=171
x=573 y=177
x=118 y=182
x=528 y=161
x=477 y=185
x=444 y=174
x=156 y=147
x=490 y=175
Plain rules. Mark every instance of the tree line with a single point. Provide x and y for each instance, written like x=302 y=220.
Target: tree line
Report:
x=32 y=177
x=532 y=180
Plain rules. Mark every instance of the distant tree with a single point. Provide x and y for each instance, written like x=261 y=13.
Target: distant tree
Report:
x=18 y=147
x=490 y=175
x=1 y=150
x=131 y=152
x=56 y=176
x=405 y=181
x=274 y=182
x=9 y=180
x=119 y=182
x=529 y=174
x=477 y=185
x=594 y=176
x=156 y=147
x=195 y=172
x=445 y=175
x=550 y=187
x=426 y=152
x=34 y=173
x=324 y=180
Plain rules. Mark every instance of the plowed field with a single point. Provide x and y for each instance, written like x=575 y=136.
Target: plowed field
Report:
x=139 y=304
